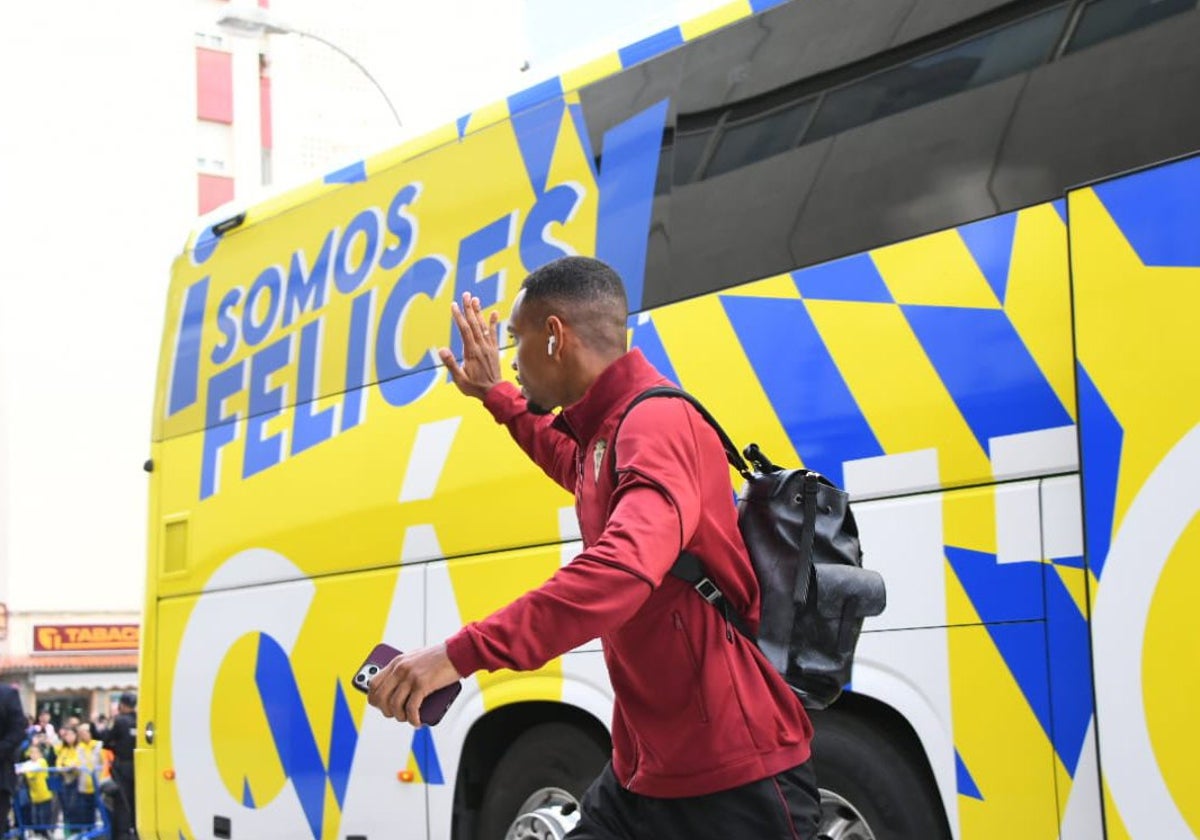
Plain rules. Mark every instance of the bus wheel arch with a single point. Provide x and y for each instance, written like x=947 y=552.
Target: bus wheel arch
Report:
x=509 y=737
x=862 y=744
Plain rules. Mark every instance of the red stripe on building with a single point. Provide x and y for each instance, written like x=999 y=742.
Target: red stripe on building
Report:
x=214 y=191
x=264 y=109
x=214 y=85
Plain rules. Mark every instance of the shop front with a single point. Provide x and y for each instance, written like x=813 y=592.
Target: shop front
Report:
x=74 y=669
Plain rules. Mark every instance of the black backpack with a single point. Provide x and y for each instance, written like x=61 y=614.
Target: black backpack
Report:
x=803 y=544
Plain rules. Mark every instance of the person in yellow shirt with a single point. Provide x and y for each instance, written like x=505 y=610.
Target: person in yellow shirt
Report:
x=90 y=765
x=68 y=762
x=41 y=799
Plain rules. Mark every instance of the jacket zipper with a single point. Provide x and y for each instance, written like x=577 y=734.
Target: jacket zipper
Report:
x=691 y=654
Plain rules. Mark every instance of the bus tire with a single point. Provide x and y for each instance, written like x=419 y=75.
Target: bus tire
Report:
x=862 y=766
x=549 y=755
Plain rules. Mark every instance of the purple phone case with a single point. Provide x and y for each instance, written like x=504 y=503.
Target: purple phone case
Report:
x=433 y=708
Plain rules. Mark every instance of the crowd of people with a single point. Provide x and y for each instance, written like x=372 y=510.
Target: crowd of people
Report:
x=67 y=780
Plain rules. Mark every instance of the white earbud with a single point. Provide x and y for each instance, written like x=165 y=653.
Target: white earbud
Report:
x=550 y=346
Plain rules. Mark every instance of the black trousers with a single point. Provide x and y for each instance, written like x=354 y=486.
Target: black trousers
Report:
x=5 y=808
x=123 y=817
x=782 y=807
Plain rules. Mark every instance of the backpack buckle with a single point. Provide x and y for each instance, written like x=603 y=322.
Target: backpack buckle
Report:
x=708 y=590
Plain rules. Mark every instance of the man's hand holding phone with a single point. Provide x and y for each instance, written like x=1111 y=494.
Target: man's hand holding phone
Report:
x=403 y=684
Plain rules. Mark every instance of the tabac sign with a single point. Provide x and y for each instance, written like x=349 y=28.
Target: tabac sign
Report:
x=66 y=638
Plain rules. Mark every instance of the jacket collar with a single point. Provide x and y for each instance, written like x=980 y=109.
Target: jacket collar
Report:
x=614 y=387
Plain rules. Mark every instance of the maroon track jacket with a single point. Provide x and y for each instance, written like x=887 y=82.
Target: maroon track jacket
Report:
x=697 y=709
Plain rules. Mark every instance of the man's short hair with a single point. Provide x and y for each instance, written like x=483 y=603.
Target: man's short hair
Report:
x=586 y=293
x=128 y=699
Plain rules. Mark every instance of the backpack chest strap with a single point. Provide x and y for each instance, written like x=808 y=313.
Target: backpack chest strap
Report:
x=689 y=568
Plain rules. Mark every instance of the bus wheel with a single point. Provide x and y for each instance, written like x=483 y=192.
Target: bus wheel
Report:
x=870 y=787
x=548 y=767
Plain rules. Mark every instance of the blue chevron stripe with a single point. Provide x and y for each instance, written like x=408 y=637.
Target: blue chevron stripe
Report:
x=290 y=729
x=647 y=48
x=852 y=278
x=1070 y=672
x=1156 y=210
x=426 y=755
x=805 y=387
x=965 y=781
x=991 y=244
x=646 y=339
x=536 y=119
x=1101 y=438
x=343 y=738
x=991 y=376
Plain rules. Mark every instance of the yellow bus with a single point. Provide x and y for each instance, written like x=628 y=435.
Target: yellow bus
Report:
x=945 y=253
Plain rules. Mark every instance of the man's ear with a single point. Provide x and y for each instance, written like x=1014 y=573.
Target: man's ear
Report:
x=556 y=329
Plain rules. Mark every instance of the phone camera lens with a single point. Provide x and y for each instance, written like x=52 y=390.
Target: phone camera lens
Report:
x=361 y=678
x=372 y=670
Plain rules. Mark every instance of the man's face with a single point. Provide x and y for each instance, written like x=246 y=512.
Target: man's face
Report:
x=535 y=374
x=43 y=718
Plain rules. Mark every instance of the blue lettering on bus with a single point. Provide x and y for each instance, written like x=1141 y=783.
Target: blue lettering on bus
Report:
x=265 y=404
x=228 y=326
x=490 y=240
x=556 y=206
x=403 y=225
x=220 y=429
x=307 y=293
x=347 y=278
x=270 y=283
x=399 y=383
x=310 y=426
x=362 y=312
x=185 y=373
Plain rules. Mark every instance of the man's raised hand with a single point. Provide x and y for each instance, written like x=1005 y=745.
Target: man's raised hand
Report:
x=480 y=367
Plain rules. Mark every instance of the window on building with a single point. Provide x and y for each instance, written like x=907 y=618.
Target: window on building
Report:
x=214 y=147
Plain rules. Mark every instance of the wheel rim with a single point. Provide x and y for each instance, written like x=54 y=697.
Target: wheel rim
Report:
x=842 y=821
x=546 y=815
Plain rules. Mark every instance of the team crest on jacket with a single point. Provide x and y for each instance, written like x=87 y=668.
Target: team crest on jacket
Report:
x=598 y=458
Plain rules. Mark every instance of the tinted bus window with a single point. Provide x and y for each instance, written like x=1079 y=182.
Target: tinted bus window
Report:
x=759 y=137
x=1001 y=53
x=1103 y=19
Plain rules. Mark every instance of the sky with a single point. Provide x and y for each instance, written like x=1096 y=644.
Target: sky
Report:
x=97 y=193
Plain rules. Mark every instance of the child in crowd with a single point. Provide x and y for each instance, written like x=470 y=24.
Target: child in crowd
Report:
x=36 y=774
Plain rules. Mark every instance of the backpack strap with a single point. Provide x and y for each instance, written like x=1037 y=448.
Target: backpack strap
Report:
x=804 y=571
x=688 y=567
x=731 y=452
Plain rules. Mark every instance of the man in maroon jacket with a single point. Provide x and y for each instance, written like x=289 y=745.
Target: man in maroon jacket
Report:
x=708 y=740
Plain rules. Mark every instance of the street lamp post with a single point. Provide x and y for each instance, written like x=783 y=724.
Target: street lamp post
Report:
x=256 y=21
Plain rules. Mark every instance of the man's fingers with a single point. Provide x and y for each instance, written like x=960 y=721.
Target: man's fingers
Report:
x=452 y=365
x=472 y=310
x=412 y=707
x=464 y=327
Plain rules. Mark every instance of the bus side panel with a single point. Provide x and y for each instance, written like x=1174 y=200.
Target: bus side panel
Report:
x=1135 y=261
x=965 y=575
x=938 y=362
x=471 y=588
x=145 y=753
x=257 y=719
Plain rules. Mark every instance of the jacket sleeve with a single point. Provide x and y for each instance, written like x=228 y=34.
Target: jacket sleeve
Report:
x=602 y=587
x=12 y=725
x=546 y=446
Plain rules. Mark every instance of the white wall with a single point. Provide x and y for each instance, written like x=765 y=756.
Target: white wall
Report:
x=97 y=190
x=434 y=62
x=97 y=186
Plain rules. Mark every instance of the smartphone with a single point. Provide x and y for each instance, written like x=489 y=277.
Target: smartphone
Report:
x=433 y=708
